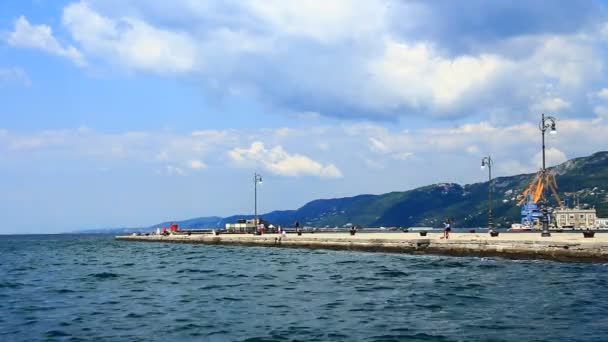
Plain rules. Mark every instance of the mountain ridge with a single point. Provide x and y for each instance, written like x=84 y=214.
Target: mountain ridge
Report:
x=583 y=179
x=429 y=205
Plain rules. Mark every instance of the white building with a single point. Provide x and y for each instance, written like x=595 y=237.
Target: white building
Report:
x=575 y=218
x=601 y=222
x=245 y=226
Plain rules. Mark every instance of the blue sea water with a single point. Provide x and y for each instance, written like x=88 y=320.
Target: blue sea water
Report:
x=82 y=287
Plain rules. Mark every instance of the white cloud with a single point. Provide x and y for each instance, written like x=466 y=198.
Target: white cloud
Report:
x=323 y=21
x=284 y=131
x=572 y=60
x=601 y=111
x=553 y=156
x=196 y=164
x=279 y=161
x=172 y=170
x=603 y=93
x=377 y=158
x=418 y=76
x=163 y=148
x=41 y=37
x=323 y=146
x=275 y=50
x=14 y=75
x=130 y=41
x=515 y=167
x=550 y=105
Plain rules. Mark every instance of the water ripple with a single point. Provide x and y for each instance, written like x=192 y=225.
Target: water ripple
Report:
x=95 y=288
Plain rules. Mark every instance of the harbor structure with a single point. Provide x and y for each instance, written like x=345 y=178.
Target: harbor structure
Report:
x=575 y=218
x=246 y=226
x=562 y=247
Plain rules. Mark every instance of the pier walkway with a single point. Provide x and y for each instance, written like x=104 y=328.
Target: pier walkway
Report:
x=571 y=246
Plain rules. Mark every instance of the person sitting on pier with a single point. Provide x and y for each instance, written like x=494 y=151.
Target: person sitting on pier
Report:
x=447 y=228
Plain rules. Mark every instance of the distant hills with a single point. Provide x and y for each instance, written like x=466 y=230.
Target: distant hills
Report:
x=583 y=179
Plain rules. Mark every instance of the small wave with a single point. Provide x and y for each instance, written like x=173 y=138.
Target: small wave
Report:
x=8 y=285
x=429 y=306
x=192 y=270
x=219 y=332
x=337 y=336
x=134 y=315
x=230 y=275
x=64 y=291
x=334 y=305
x=264 y=339
x=231 y=299
x=277 y=306
x=361 y=278
x=211 y=287
x=303 y=276
x=392 y=274
x=104 y=275
x=346 y=262
x=412 y=337
x=265 y=276
x=187 y=327
x=56 y=333
x=23 y=268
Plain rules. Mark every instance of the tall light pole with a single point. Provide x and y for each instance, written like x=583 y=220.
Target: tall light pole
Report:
x=487 y=161
x=256 y=179
x=546 y=122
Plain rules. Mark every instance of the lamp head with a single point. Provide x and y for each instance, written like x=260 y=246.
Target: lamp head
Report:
x=553 y=131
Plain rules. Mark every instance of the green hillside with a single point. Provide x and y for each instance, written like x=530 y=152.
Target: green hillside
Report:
x=582 y=179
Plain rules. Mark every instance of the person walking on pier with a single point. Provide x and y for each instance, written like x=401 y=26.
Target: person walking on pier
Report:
x=447 y=228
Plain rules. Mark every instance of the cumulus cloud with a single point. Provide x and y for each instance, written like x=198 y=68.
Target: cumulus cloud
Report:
x=279 y=161
x=395 y=157
x=130 y=41
x=515 y=148
x=438 y=81
x=41 y=37
x=375 y=59
x=322 y=21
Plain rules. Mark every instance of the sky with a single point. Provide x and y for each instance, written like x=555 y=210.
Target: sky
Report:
x=119 y=113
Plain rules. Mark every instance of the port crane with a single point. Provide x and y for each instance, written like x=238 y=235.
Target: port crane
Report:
x=532 y=195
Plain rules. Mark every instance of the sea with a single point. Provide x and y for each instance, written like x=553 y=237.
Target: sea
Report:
x=94 y=288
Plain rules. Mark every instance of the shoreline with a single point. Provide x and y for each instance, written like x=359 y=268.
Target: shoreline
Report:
x=566 y=247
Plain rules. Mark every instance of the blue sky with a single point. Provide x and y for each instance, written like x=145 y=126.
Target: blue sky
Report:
x=132 y=112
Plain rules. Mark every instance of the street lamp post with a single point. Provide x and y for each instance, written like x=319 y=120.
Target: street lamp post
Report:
x=256 y=179
x=487 y=161
x=546 y=122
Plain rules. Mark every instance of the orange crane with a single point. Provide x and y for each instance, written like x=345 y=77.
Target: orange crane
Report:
x=537 y=186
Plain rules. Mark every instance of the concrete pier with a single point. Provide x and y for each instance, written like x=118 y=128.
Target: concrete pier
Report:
x=560 y=246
